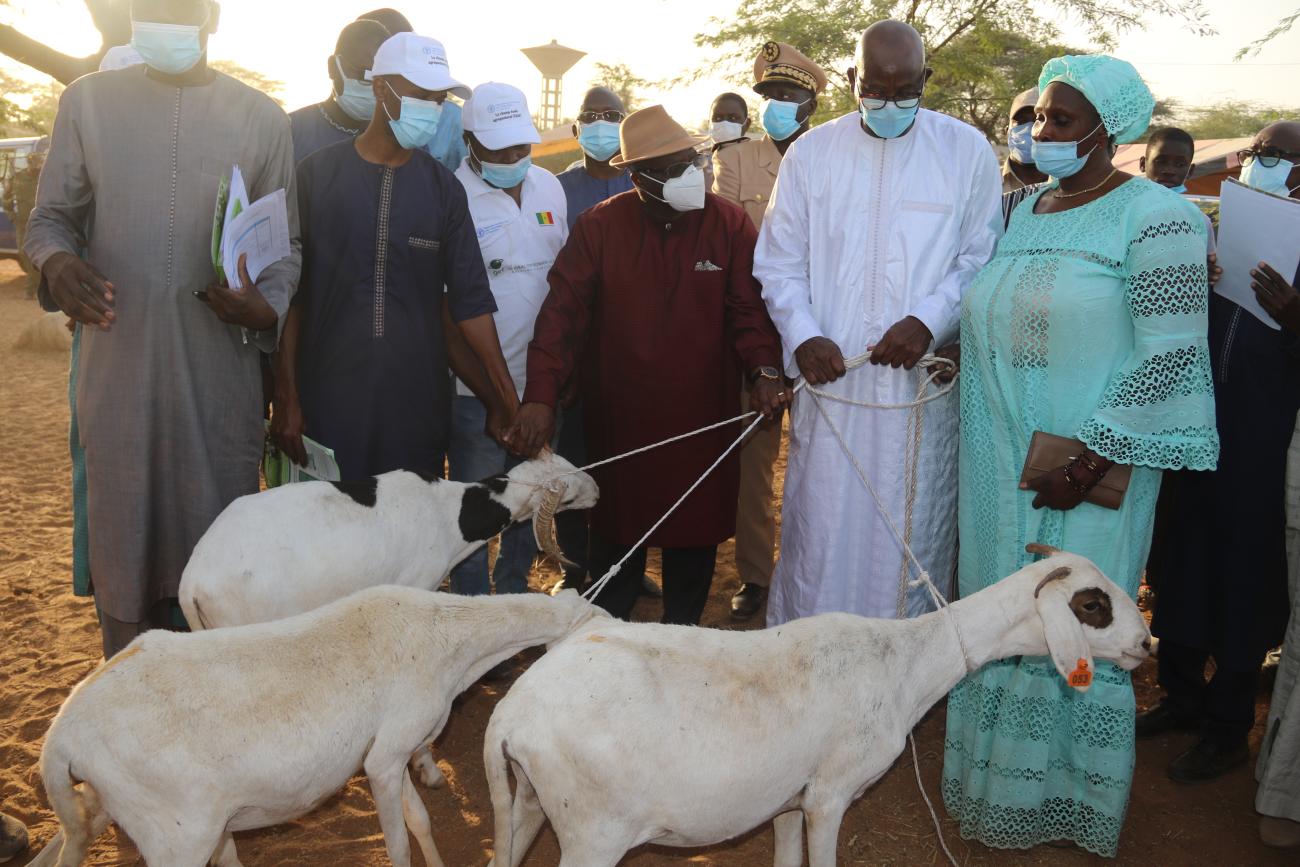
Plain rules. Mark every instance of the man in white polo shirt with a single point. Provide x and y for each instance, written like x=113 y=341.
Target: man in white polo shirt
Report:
x=520 y=218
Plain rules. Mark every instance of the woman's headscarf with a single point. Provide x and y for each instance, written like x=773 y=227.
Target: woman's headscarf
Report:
x=1113 y=87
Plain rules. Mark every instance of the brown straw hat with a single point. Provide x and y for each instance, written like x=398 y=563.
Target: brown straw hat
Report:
x=651 y=133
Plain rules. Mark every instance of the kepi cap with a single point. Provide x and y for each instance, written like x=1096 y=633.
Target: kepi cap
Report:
x=420 y=60
x=498 y=116
x=778 y=61
x=651 y=133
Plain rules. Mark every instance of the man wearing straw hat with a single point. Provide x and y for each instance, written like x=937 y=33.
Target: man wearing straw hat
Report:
x=654 y=291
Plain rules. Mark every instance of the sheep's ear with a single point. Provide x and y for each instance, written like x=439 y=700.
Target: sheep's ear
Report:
x=1040 y=548
x=1064 y=634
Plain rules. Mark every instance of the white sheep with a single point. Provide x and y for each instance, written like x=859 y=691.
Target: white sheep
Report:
x=293 y=548
x=183 y=739
x=625 y=734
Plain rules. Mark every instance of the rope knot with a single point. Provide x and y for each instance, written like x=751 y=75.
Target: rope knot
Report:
x=920 y=581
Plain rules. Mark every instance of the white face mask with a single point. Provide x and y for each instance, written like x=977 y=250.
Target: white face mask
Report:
x=685 y=192
x=725 y=130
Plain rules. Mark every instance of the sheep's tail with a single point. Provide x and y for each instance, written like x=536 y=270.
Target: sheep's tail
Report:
x=80 y=813
x=497 y=764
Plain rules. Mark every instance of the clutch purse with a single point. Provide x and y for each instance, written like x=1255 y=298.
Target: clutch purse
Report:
x=1048 y=452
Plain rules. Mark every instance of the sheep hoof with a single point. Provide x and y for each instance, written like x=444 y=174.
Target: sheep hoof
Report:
x=427 y=772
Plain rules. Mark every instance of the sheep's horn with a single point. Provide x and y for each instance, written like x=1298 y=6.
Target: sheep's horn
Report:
x=1040 y=548
x=1055 y=575
x=544 y=522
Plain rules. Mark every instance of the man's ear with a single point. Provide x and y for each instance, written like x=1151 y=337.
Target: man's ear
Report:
x=1191 y=168
x=744 y=127
x=852 y=75
x=336 y=78
x=928 y=72
x=812 y=108
x=574 y=128
x=214 y=17
x=1142 y=164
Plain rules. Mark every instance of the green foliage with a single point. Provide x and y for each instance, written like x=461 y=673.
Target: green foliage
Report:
x=619 y=78
x=1281 y=27
x=983 y=51
x=256 y=80
x=26 y=107
x=978 y=74
x=1231 y=119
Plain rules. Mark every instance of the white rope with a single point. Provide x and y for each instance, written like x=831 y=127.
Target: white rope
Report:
x=596 y=587
x=937 y=366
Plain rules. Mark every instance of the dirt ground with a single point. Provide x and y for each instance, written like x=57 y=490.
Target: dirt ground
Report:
x=49 y=641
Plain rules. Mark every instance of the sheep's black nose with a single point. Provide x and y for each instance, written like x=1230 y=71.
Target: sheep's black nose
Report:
x=1146 y=644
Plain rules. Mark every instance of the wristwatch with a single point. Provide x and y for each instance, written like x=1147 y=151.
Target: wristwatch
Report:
x=764 y=373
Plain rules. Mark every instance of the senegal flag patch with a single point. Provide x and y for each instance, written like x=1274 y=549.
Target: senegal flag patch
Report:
x=545 y=218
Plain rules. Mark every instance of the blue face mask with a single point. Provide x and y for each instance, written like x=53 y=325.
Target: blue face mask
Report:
x=599 y=139
x=1020 y=143
x=1261 y=177
x=416 y=123
x=504 y=176
x=1180 y=189
x=889 y=121
x=357 y=99
x=168 y=48
x=1061 y=159
x=781 y=118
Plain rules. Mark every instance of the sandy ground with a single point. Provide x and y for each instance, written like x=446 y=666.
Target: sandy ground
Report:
x=49 y=641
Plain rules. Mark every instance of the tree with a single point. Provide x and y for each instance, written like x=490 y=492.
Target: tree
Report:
x=968 y=31
x=978 y=74
x=256 y=80
x=112 y=19
x=27 y=108
x=620 y=79
x=1230 y=119
x=1281 y=27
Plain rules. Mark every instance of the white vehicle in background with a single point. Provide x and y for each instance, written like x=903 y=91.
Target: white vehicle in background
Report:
x=13 y=158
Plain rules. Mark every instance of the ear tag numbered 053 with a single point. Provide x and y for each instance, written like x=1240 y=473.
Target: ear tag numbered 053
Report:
x=1081 y=677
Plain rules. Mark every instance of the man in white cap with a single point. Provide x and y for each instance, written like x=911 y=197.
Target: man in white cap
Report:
x=518 y=211
x=654 y=293
x=364 y=360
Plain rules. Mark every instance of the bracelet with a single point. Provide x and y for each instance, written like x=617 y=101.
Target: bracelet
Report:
x=1075 y=485
x=1092 y=467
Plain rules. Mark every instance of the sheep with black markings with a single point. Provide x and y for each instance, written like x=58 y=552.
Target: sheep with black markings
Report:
x=826 y=704
x=293 y=548
x=256 y=725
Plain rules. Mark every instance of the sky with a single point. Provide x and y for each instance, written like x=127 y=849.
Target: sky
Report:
x=290 y=40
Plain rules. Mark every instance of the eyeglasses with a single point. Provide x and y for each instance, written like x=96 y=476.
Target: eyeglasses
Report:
x=593 y=116
x=1268 y=157
x=875 y=103
x=676 y=170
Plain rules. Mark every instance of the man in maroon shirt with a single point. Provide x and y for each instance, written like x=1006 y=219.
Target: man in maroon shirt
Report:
x=654 y=293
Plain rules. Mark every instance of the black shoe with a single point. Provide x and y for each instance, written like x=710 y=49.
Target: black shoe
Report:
x=1166 y=717
x=13 y=837
x=747 y=601
x=1208 y=760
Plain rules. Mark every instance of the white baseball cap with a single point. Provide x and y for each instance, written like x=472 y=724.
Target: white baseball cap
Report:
x=498 y=116
x=420 y=60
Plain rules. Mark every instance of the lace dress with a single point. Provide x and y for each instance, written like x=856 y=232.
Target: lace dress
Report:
x=1088 y=323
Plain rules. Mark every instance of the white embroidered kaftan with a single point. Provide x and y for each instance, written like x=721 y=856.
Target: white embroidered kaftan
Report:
x=862 y=232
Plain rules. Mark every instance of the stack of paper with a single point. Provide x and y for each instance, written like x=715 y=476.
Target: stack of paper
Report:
x=279 y=470
x=259 y=230
x=1255 y=227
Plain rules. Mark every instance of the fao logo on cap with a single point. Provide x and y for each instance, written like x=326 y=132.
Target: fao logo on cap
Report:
x=433 y=56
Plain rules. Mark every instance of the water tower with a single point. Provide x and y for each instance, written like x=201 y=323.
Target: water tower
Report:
x=552 y=61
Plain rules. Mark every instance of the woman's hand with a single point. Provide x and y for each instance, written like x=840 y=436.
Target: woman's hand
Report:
x=1054 y=491
x=1066 y=487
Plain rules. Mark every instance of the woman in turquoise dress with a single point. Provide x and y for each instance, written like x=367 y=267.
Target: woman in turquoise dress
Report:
x=1089 y=323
